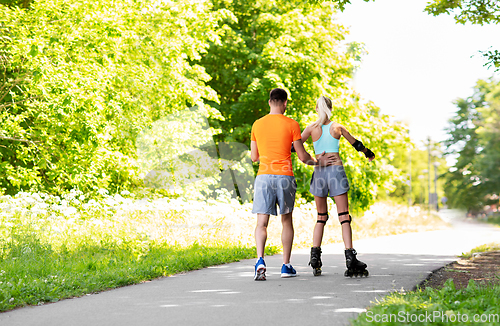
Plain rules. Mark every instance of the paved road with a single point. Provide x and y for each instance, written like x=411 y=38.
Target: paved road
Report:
x=227 y=294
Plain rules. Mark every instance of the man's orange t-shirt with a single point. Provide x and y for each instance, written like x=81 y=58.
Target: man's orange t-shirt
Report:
x=274 y=134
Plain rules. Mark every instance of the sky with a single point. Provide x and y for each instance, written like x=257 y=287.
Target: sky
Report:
x=417 y=64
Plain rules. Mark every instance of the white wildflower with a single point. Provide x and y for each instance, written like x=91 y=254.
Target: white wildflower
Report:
x=102 y=191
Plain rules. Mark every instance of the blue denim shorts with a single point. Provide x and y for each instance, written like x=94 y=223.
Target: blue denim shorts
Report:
x=329 y=181
x=271 y=190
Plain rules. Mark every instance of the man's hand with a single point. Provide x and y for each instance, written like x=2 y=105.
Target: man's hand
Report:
x=325 y=160
x=302 y=154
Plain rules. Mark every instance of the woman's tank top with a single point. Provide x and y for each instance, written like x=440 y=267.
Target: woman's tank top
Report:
x=326 y=143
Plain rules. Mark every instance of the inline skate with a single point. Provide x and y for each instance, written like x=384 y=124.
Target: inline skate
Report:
x=354 y=266
x=315 y=260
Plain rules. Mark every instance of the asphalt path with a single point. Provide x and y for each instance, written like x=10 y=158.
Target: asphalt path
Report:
x=228 y=295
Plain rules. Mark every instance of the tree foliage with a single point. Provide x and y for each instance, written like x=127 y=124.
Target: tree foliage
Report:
x=464 y=11
x=474 y=132
x=87 y=87
x=478 y=12
x=80 y=80
x=274 y=44
x=414 y=161
x=16 y=3
x=302 y=49
x=340 y=4
x=467 y=11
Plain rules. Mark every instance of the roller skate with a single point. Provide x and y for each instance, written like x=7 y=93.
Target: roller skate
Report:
x=315 y=260
x=354 y=266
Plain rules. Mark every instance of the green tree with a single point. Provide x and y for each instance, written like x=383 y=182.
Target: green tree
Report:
x=467 y=11
x=420 y=173
x=489 y=133
x=270 y=44
x=16 y=3
x=81 y=79
x=475 y=140
x=300 y=48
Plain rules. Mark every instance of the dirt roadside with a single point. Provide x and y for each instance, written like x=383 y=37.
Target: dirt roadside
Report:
x=482 y=268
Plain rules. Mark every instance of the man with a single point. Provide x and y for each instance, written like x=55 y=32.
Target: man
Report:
x=272 y=136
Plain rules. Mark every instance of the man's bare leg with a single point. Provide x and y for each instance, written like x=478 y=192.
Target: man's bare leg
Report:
x=287 y=234
x=261 y=233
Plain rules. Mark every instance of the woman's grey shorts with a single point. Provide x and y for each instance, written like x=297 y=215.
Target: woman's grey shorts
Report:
x=329 y=181
x=272 y=189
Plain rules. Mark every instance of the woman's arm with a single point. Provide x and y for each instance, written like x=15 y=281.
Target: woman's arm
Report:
x=357 y=144
x=306 y=134
x=347 y=135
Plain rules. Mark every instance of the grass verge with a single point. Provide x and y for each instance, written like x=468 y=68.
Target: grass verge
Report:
x=32 y=273
x=475 y=304
x=483 y=248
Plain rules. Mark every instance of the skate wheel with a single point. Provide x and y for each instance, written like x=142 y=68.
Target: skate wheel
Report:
x=347 y=274
x=365 y=273
x=317 y=271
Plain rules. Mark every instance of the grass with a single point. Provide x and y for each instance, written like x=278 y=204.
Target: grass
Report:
x=33 y=273
x=477 y=304
x=53 y=248
x=483 y=248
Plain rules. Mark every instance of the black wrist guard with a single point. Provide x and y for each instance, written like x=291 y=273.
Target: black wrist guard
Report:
x=358 y=145
x=293 y=149
x=369 y=153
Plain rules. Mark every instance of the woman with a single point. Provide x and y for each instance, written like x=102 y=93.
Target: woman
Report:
x=332 y=180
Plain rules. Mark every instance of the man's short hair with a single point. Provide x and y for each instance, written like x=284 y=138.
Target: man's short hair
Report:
x=278 y=95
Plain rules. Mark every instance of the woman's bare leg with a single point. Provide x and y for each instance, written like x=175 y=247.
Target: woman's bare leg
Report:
x=319 y=228
x=342 y=203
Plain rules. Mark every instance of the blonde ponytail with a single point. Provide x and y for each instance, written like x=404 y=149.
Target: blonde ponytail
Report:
x=324 y=105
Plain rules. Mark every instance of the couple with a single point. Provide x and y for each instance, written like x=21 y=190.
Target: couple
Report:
x=275 y=182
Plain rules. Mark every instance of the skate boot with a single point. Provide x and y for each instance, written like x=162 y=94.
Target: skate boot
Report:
x=354 y=266
x=315 y=261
